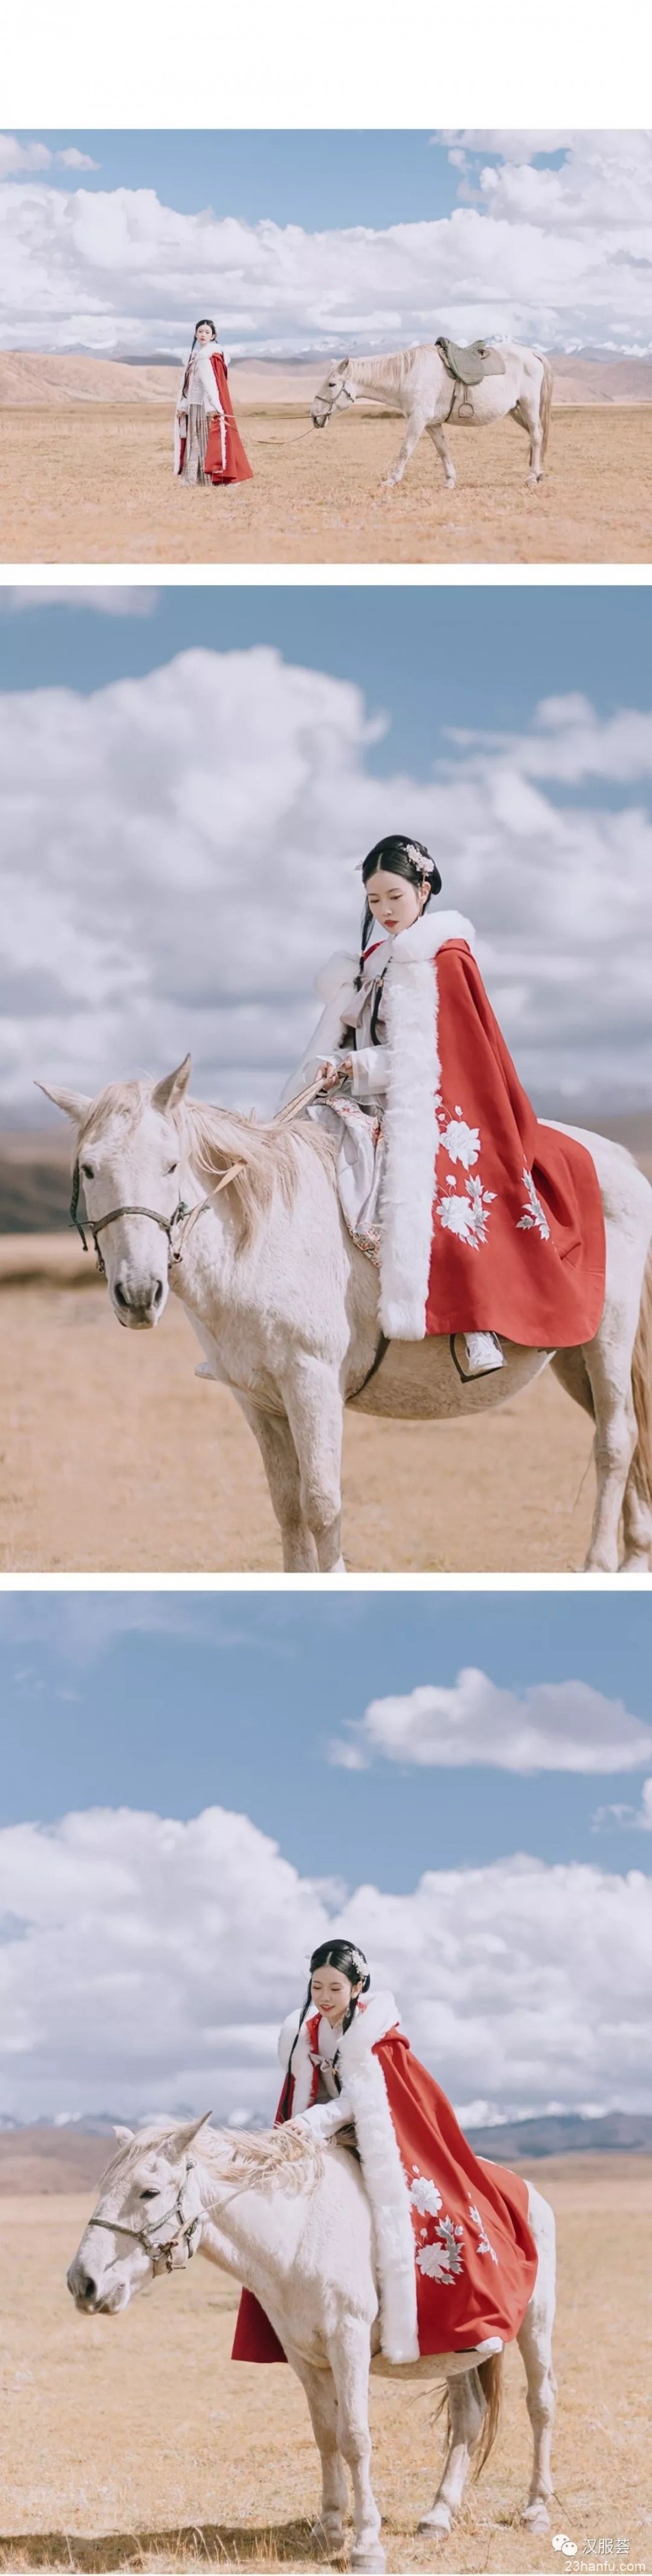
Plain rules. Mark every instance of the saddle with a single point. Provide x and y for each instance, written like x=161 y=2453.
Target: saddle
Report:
x=469 y=366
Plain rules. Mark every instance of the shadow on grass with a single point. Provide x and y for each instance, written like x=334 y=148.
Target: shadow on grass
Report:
x=287 y=2544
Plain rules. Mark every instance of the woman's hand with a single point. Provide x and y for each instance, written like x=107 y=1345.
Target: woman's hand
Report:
x=328 y=1073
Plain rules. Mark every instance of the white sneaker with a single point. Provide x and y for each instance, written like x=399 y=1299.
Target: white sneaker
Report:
x=483 y=1352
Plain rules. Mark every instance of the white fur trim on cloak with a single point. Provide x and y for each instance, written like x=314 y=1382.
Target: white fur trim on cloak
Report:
x=366 y=2098
x=410 y=1127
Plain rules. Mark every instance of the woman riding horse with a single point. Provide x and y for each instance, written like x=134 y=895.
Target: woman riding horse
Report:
x=456 y=2258
x=482 y=1222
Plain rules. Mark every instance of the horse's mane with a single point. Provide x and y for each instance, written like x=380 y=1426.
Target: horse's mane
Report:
x=213 y=1138
x=269 y=1154
x=249 y=2157
x=390 y=371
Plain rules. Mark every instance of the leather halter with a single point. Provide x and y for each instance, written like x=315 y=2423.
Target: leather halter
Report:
x=182 y=1216
x=168 y=2256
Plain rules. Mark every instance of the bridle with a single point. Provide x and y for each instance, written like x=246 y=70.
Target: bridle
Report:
x=175 y=2250
x=341 y=393
x=183 y=1216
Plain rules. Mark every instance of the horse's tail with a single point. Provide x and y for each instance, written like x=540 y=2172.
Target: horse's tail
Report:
x=642 y=1387
x=490 y=2375
x=545 y=405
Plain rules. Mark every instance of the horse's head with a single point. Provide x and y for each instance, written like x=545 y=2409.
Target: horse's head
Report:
x=333 y=394
x=136 y=1187
x=148 y=2219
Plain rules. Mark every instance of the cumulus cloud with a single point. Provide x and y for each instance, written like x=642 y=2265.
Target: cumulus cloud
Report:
x=560 y=256
x=552 y=1726
x=115 y=599
x=180 y=855
x=147 y=1963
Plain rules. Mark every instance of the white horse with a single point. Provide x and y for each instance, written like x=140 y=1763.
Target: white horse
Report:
x=292 y=2222
x=416 y=382
x=286 y=1307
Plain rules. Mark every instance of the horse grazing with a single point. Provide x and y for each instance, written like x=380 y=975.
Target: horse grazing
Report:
x=292 y=2221
x=243 y=1221
x=416 y=382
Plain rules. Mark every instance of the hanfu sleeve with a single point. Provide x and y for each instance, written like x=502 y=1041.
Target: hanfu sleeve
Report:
x=326 y=2117
x=370 y=1071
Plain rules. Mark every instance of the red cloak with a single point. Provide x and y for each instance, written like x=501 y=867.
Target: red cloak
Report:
x=475 y=2256
x=225 y=460
x=518 y=1243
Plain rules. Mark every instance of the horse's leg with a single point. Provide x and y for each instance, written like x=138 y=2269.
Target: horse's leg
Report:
x=349 y=2360
x=314 y=1408
x=609 y=1367
x=417 y=422
x=466 y=2407
x=281 y=1466
x=637 y=1521
x=438 y=435
x=526 y=410
x=535 y=2346
x=322 y=2400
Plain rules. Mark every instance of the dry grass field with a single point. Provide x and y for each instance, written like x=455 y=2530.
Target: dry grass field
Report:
x=134 y=2443
x=114 y=1457
x=92 y=483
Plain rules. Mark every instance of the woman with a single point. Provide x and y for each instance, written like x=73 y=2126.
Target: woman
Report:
x=456 y=2260
x=481 y=1220
x=207 y=444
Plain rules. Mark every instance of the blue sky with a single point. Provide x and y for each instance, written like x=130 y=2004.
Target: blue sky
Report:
x=237 y=1709
x=312 y=178
x=426 y=658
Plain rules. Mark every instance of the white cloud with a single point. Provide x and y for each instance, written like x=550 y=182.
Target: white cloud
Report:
x=561 y=257
x=637 y=1818
x=179 y=858
x=74 y=160
x=16 y=157
x=110 y=599
x=147 y=1962
x=551 y=1726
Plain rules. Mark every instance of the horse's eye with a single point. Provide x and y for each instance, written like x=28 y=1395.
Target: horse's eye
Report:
x=88 y=1171
x=149 y=2195
x=172 y=1167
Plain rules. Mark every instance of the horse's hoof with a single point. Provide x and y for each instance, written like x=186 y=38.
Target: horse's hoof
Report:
x=371 y=2560
x=328 y=2536
x=536 y=2516
x=438 y=2523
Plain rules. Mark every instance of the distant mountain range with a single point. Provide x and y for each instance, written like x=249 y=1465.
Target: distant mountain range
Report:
x=40 y=377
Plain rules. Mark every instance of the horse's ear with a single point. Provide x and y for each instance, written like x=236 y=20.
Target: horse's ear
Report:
x=183 y=2138
x=171 y=1089
x=344 y=363
x=124 y=2135
x=74 y=1104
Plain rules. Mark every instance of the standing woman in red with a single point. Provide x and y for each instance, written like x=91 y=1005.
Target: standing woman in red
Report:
x=456 y=2259
x=207 y=443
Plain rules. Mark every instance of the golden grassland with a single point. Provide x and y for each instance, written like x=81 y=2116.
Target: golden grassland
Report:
x=92 y=483
x=134 y=2443
x=115 y=1458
